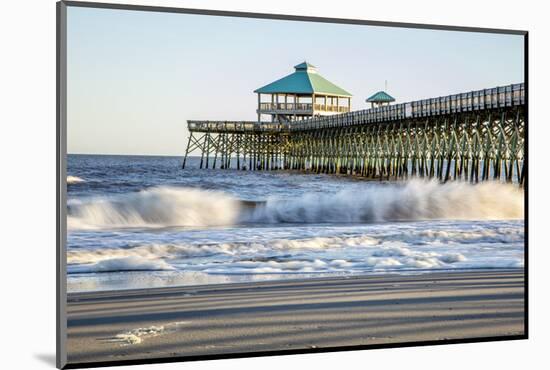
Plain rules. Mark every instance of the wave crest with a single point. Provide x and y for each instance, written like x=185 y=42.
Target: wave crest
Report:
x=410 y=201
x=156 y=207
x=74 y=180
x=129 y=263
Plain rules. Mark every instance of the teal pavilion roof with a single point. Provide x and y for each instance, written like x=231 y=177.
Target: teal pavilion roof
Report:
x=381 y=97
x=304 y=80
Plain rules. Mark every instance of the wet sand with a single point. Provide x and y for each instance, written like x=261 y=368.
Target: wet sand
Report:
x=291 y=315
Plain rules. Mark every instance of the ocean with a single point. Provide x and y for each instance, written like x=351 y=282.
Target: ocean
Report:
x=143 y=222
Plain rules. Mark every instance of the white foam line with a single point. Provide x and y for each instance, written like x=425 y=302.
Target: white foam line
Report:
x=138 y=335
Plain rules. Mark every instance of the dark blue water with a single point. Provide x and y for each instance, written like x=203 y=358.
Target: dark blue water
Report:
x=106 y=174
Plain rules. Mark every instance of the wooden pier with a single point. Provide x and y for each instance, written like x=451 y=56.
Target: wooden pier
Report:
x=474 y=136
x=246 y=144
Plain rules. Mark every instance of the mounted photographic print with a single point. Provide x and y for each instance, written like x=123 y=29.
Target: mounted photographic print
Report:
x=235 y=184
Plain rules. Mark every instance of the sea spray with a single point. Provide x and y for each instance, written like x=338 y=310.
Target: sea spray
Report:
x=155 y=207
x=374 y=202
x=71 y=180
x=410 y=201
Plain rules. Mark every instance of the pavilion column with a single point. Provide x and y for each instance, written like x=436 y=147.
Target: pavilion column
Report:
x=273 y=107
x=259 y=106
x=277 y=107
x=295 y=105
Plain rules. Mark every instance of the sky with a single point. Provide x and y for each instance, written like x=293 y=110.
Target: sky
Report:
x=134 y=77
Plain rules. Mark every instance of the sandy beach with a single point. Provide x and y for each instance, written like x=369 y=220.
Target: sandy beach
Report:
x=290 y=315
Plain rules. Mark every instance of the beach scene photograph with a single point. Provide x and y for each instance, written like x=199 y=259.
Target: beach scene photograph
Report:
x=240 y=185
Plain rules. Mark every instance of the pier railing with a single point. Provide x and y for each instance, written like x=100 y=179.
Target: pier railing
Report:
x=236 y=126
x=498 y=97
x=286 y=106
x=302 y=107
x=331 y=108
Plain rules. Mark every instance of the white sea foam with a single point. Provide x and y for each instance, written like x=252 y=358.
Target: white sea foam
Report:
x=379 y=243
x=380 y=249
x=414 y=200
x=370 y=262
x=129 y=263
x=74 y=180
x=142 y=255
x=138 y=335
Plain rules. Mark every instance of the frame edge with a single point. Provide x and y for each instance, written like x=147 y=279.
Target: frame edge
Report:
x=61 y=187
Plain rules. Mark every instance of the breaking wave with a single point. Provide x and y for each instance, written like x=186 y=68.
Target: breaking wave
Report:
x=128 y=263
x=74 y=180
x=155 y=207
x=410 y=201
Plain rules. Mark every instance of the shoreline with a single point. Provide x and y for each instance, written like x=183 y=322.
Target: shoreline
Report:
x=293 y=314
x=78 y=295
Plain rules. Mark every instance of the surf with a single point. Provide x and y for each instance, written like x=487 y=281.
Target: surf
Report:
x=161 y=206
x=415 y=200
x=71 y=180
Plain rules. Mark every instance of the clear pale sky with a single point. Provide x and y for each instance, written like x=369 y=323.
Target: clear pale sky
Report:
x=134 y=77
